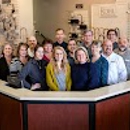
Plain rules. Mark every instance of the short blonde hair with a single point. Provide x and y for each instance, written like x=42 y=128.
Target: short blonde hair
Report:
x=84 y=50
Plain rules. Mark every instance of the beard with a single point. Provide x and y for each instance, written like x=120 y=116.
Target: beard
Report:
x=123 y=48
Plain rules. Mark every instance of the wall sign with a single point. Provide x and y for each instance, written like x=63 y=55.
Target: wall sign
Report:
x=107 y=11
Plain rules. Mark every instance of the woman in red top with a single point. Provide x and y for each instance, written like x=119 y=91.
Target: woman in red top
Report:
x=48 y=47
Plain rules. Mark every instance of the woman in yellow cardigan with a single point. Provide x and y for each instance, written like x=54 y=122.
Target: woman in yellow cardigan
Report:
x=58 y=75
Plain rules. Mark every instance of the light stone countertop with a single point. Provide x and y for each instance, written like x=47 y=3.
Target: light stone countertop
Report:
x=93 y=95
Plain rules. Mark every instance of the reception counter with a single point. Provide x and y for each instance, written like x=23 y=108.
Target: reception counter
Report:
x=106 y=108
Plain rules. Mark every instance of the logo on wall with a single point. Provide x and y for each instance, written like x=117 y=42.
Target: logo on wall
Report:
x=6 y=1
x=108 y=11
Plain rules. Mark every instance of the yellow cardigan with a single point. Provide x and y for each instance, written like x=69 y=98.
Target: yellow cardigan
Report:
x=51 y=79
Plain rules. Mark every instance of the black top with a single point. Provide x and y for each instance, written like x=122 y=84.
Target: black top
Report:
x=4 y=69
x=71 y=60
x=80 y=76
x=115 y=45
x=63 y=44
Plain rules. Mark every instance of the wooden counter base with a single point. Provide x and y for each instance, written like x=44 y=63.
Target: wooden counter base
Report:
x=109 y=114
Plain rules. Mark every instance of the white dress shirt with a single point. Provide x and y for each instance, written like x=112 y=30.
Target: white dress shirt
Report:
x=30 y=53
x=117 y=70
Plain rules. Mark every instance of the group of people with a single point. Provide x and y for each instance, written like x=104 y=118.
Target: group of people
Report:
x=62 y=66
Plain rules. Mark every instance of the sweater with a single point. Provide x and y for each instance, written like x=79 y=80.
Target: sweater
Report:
x=80 y=77
x=98 y=73
x=16 y=66
x=51 y=78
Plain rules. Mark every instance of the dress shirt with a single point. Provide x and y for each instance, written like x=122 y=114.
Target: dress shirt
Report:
x=30 y=53
x=117 y=70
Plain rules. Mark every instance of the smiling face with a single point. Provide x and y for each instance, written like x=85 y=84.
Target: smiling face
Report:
x=7 y=50
x=88 y=37
x=123 y=44
x=39 y=53
x=72 y=46
x=32 y=42
x=23 y=51
x=48 y=47
x=60 y=35
x=112 y=36
x=95 y=49
x=81 y=56
x=59 y=55
x=107 y=48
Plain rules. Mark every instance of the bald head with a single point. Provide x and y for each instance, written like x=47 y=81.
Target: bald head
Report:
x=32 y=42
x=107 y=47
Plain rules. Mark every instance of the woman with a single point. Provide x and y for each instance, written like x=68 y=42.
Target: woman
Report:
x=18 y=62
x=5 y=61
x=58 y=71
x=48 y=47
x=98 y=67
x=80 y=70
x=33 y=73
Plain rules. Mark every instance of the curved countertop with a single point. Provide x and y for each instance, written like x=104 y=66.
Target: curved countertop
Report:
x=93 y=95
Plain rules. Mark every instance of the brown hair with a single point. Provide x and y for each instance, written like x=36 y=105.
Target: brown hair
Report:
x=112 y=30
x=20 y=45
x=58 y=29
x=97 y=43
x=47 y=41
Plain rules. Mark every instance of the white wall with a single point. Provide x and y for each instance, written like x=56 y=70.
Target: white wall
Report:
x=26 y=15
x=51 y=14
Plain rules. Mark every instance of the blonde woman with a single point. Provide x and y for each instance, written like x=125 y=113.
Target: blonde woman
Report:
x=58 y=75
x=80 y=70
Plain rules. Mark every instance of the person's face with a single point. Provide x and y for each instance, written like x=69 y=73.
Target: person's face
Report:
x=7 y=50
x=48 y=48
x=95 y=49
x=112 y=36
x=23 y=51
x=123 y=44
x=39 y=53
x=107 y=48
x=81 y=56
x=60 y=35
x=58 y=55
x=88 y=37
x=32 y=42
x=72 y=46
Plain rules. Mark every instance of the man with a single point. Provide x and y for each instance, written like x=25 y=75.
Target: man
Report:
x=60 y=36
x=87 y=40
x=124 y=51
x=72 y=45
x=112 y=35
x=32 y=42
x=117 y=71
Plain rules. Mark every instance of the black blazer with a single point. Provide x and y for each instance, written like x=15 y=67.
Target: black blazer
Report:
x=4 y=69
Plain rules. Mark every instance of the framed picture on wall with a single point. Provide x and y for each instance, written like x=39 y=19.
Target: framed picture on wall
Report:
x=6 y=1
